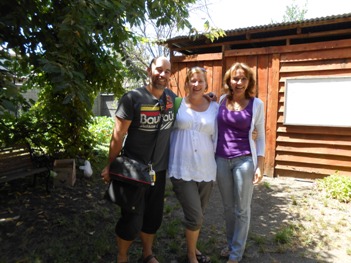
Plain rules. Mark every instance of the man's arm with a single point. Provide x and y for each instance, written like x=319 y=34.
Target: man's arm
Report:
x=119 y=132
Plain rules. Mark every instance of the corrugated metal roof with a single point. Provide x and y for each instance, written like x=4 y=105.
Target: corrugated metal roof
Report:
x=306 y=21
x=272 y=25
x=311 y=30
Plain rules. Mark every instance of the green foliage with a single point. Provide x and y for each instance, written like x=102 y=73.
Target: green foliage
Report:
x=294 y=13
x=70 y=51
x=336 y=186
x=267 y=185
x=101 y=129
x=10 y=94
x=213 y=33
x=285 y=235
x=259 y=239
x=54 y=135
x=14 y=130
x=172 y=229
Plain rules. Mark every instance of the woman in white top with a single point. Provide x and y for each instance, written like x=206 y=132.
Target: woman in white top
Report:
x=192 y=165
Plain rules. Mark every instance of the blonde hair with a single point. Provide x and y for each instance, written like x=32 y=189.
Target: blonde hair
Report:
x=190 y=73
x=250 y=91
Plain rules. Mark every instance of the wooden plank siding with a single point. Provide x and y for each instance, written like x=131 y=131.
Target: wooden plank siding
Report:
x=211 y=62
x=291 y=150
x=306 y=151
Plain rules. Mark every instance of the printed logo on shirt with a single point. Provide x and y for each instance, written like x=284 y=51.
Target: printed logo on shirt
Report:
x=150 y=115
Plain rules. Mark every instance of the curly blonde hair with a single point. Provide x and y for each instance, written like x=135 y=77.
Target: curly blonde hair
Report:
x=250 y=91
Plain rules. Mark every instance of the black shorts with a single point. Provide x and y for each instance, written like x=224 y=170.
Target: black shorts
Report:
x=149 y=218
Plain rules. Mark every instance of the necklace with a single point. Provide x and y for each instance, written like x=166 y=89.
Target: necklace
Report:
x=238 y=106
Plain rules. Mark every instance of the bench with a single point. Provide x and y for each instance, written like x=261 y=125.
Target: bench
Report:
x=18 y=162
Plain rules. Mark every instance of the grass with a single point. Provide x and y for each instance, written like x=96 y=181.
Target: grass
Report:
x=285 y=235
x=331 y=194
x=267 y=185
x=337 y=187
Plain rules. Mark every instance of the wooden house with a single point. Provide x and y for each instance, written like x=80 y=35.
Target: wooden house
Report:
x=303 y=74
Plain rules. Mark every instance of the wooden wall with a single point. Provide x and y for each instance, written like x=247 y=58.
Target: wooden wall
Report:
x=297 y=151
x=211 y=62
x=310 y=151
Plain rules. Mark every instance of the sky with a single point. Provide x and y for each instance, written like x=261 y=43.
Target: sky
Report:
x=234 y=14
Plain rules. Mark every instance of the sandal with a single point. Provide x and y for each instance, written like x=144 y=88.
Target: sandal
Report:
x=149 y=258
x=201 y=258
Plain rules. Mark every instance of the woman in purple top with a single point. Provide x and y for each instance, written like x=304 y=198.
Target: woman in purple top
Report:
x=239 y=158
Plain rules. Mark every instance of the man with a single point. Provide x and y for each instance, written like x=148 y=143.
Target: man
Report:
x=139 y=113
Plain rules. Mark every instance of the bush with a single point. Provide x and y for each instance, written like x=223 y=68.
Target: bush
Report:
x=101 y=129
x=336 y=186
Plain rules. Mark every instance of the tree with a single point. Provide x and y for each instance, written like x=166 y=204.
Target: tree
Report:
x=151 y=36
x=294 y=12
x=74 y=49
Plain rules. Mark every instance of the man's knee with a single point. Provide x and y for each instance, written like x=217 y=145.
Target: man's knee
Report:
x=127 y=233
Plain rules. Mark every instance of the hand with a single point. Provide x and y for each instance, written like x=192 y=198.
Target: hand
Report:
x=210 y=96
x=258 y=176
x=105 y=174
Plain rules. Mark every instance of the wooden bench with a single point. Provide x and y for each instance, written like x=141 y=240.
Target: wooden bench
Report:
x=18 y=162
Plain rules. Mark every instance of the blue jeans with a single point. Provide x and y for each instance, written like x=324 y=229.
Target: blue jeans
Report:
x=235 y=181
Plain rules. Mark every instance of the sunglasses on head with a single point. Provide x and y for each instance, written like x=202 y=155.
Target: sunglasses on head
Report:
x=199 y=68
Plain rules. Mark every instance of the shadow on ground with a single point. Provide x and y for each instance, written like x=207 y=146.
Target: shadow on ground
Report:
x=75 y=224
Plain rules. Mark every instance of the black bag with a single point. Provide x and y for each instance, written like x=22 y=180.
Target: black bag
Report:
x=127 y=196
x=129 y=181
x=131 y=171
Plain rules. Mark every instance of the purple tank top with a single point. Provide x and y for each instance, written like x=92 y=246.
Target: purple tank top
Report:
x=233 y=131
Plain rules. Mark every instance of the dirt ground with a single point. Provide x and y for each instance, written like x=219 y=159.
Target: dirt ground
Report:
x=323 y=226
x=36 y=226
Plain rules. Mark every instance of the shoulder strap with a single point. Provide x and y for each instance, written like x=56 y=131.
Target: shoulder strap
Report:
x=177 y=102
x=158 y=128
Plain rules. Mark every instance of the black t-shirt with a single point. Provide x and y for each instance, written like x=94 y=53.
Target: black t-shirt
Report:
x=144 y=110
